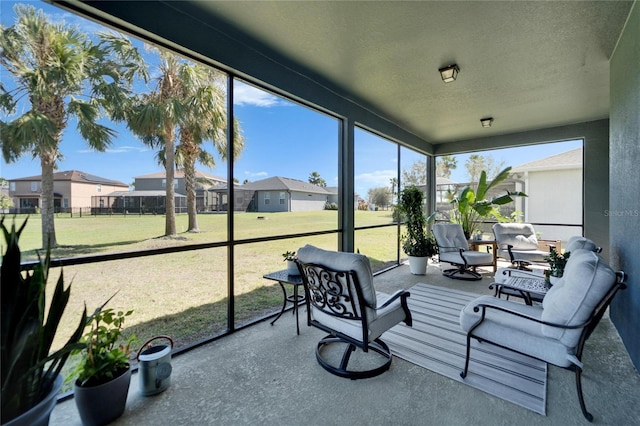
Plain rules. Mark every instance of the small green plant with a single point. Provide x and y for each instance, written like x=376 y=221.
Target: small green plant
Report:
x=106 y=354
x=289 y=255
x=557 y=262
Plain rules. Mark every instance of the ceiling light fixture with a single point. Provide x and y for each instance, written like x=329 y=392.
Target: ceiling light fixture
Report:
x=486 y=122
x=449 y=73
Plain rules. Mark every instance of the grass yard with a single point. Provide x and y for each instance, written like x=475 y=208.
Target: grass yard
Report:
x=184 y=294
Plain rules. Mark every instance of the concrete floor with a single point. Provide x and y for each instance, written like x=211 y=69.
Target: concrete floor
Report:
x=267 y=375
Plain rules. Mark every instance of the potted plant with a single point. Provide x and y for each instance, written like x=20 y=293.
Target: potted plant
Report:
x=418 y=244
x=471 y=205
x=30 y=374
x=292 y=266
x=103 y=373
x=557 y=261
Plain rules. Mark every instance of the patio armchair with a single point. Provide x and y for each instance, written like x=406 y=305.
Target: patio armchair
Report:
x=554 y=332
x=453 y=248
x=341 y=300
x=517 y=242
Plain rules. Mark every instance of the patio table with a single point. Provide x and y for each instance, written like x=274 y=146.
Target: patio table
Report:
x=283 y=277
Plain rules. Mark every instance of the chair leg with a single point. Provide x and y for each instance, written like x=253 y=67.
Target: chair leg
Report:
x=463 y=374
x=586 y=414
x=462 y=274
x=342 y=369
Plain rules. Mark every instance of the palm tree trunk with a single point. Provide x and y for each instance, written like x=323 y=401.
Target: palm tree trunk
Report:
x=47 y=163
x=190 y=184
x=170 y=203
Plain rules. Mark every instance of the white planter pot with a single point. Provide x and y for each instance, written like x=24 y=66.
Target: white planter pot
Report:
x=418 y=265
x=292 y=268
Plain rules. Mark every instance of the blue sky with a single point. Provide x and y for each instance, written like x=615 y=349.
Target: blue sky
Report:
x=281 y=139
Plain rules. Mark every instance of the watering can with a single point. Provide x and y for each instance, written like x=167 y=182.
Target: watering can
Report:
x=154 y=366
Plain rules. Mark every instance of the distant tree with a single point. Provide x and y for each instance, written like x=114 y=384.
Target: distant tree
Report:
x=315 y=179
x=416 y=175
x=380 y=196
x=5 y=202
x=3 y=182
x=394 y=185
x=60 y=74
x=445 y=164
x=246 y=181
x=476 y=164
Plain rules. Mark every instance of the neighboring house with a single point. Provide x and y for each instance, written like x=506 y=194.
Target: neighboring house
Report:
x=72 y=189
x=280 y=194
x=554 y=186
x=135 y=202
x=206 y=196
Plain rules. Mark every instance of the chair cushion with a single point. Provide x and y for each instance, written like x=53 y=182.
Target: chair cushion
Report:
x=520 y=235
x=517 y=333
x=378 y=321
x=449 y=237
x=342 y=261
x=577 y=242
x=586 y=280
x=473 y=258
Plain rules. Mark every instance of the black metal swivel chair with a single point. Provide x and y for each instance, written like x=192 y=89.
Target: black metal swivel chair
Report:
x=453 y=248
x=342 y=301
x=556 y=331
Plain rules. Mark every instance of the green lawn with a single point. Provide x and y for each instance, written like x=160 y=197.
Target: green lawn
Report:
x=184 y=294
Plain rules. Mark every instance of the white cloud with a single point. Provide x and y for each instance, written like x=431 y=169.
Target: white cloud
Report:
x=376 y=178
x=244 y=94
x=255 y=174
x=117 y=150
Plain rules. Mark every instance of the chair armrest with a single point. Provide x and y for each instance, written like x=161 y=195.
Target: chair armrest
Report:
x=398 y=294
x=402 y=295
x=485 y=306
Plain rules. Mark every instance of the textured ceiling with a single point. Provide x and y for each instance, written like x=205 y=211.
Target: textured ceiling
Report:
x=528 y=64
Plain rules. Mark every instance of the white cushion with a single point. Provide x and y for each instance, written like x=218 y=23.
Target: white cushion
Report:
x=578 y=242
x=586 y=280
x=520 y=235
x=342 y=261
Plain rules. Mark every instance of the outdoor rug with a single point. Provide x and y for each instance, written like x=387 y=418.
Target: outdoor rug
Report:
x=437 y=343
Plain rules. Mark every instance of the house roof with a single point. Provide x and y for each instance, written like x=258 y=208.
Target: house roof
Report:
x=75 y=176
x=278 y=183
x=565 y=160
x=179 y=174
x=140 y=194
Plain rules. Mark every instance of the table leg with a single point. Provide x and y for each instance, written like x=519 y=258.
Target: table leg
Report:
x=284 y=302
x=295 y=306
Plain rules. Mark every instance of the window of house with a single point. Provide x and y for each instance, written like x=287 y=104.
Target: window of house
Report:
x=34 y=186
x=99 y=188
x=65 y=203
x=164 y=183
x=12 y=186
x=267 y=198
x=282 y=198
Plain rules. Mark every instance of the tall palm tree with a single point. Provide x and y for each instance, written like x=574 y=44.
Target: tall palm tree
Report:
x=204 y=119
x=60 y=73
x=154 y=119
x=187 y=105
